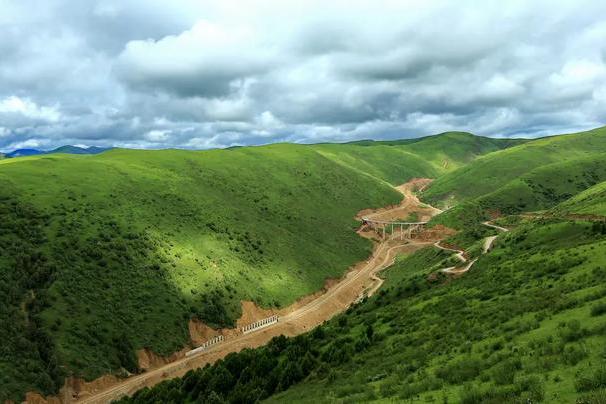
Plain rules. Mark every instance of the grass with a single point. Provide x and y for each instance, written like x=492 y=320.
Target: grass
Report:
x=428 y=157
x=591 y=201
x=522 y=325
x=495 y=170
x=538 y=189
x=107 y=254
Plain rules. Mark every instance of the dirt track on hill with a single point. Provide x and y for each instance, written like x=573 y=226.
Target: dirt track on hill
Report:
x=302 y=316
x=460 y=254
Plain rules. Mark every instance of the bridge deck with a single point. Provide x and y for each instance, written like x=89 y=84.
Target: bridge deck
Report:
x=366 y=220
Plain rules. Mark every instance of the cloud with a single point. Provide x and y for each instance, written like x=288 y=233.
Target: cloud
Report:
x=198 y=62
x=28 y=109
x=219 y=73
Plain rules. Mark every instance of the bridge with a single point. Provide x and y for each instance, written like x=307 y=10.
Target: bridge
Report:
x=406 y=229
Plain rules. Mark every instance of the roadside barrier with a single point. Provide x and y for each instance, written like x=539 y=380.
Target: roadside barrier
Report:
x=206 y=345
x=259 y=324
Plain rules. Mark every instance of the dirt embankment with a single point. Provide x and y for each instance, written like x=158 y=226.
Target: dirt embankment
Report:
x=309 y=312
x=410 y=205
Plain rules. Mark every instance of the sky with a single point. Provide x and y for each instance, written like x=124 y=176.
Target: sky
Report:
x=203 y=74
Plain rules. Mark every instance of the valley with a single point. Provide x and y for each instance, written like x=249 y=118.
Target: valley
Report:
x=360 y=282
x=172 y=248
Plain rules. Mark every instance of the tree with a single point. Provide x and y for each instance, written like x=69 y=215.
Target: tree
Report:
x=126 y=354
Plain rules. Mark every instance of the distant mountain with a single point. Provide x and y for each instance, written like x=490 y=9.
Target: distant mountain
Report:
x=23 y=153
x=79 y=150
x=68 y=149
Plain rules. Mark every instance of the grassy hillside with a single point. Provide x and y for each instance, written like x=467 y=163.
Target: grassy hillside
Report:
x=106 y=254
x=589 y=202
x=127 y=246
x=538 y=189
x=495 y=170
x=429 y=157
x=527 y=324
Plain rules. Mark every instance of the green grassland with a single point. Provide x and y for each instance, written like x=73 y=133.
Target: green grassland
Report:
x=107 y=254
x=590 y=202
x=539 y=189
x=495 y=170
x=532 y=176
x=526 y=324
x=428 y=157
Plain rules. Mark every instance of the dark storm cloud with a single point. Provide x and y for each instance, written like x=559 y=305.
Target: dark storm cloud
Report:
x=202 y=74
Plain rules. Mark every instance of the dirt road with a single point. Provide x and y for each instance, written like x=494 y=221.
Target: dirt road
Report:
x=357 y=283
x=460 y=254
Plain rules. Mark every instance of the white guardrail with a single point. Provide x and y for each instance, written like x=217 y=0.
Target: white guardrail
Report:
x=206 y=345
x=259 y=324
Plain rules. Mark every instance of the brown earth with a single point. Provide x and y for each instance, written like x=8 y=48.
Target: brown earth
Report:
x=300 y=317
x=149 y=360
x=409 y=205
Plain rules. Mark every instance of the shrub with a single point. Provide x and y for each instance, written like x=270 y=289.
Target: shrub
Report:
x=504 y=373
x=572 y=331
x=595 y=397
x=598 y=309
x=471 y=394
x=460 y=371
x=573 y=354
x=593 y=381
x=535 y=388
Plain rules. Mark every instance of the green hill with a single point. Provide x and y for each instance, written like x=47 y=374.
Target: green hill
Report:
x=526 y=324
x=540 y=188
x=533 y=176
x=429 y=157
x=589 y=202
x=495 y=170
x=107 y=254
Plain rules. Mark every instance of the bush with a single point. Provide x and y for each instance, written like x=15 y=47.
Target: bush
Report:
x=472 y=394
x=598 y=309
x=460 y=371
x=593 y=381
x=504 y=373
x=573 y=354
x=535 y=388
x=596 y=397
x=572 y=331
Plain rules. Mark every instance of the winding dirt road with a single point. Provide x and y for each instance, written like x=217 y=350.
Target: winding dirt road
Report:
x=356 y=284
x=460 y=254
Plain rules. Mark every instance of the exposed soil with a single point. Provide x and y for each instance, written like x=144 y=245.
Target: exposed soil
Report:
x=409 y=205
x=303 y=315
x=149 y=360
